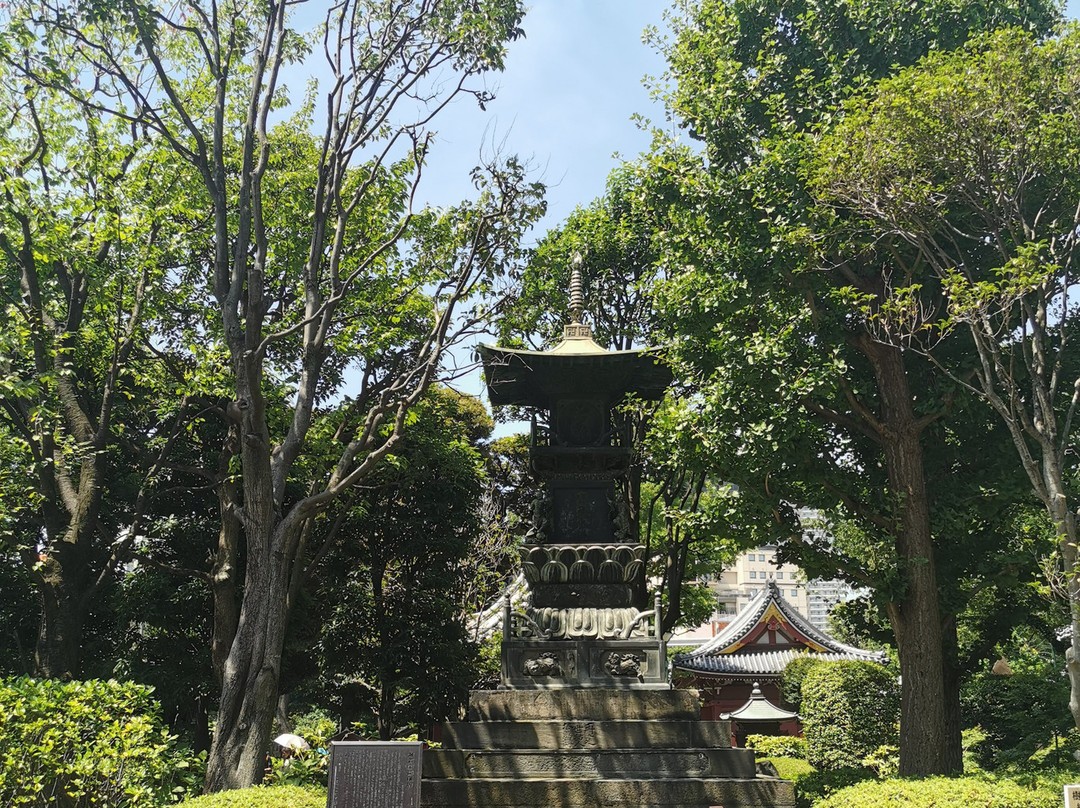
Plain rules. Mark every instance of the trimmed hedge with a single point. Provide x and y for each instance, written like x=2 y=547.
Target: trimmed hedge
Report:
x=792 y=679
x=849 y=710
x=262 y=797
x=770 y=746
x=86 y=744
x=943 y=792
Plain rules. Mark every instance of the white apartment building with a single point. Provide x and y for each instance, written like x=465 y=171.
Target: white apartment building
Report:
x=737 y=584
x=741 y=581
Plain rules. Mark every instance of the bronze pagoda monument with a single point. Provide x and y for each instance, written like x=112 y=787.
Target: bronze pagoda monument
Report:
x=587 y=622
x=584 y=715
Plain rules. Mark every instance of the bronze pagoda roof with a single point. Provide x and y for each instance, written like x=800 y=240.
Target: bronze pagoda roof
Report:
x=576 y=367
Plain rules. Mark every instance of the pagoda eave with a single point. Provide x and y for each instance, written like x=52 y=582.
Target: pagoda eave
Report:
x=532 y=378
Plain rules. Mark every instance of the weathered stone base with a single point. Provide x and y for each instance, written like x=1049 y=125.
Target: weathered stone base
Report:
x=638 y=663
x=593 y=748
x=582 y=793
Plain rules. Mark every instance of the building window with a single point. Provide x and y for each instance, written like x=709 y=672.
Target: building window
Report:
x=779 y=576
x=761 y=557
x=753 y=574
x=794 y=593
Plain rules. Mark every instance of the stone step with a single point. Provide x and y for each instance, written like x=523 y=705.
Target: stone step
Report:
x=583 y=704
x=644 y=764
x=586 y=734
x=684 y=792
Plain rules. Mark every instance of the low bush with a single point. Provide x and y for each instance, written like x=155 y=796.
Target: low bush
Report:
x=790 y=768
x=786 y=746
x=86 y=744
x=262 y=797
x=813 y=786
x=849 y=710
x=1018 y=715
x=943 y=792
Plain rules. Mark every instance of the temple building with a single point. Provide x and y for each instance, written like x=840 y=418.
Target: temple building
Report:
x=754 y=648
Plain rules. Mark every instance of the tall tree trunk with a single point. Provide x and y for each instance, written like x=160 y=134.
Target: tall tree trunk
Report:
x=954 y=747
x=249 y=690
x=916 y=620
x=223 y=583
x=62 y=588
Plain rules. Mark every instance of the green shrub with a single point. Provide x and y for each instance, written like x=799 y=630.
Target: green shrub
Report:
x=791 y=768
x=849 y=710
x=316 y=727
x=777 y=746
x=883 y=761
x=305 y=768
x=262 y=797
x=943 y=792
x=1018 y=714
x=792 y=679
x=83 y=744
x=814 y=786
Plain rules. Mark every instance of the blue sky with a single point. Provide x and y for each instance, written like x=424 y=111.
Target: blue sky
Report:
x=565 y=102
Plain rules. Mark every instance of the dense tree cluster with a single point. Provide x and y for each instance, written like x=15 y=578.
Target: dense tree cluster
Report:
x=228 y=467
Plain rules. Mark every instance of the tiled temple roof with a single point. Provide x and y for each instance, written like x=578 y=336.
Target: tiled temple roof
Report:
x=763 y=638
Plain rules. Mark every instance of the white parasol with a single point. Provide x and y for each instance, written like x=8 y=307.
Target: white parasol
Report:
x=291 y=741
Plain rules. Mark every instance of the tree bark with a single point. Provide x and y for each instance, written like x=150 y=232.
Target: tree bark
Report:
x=916 y=620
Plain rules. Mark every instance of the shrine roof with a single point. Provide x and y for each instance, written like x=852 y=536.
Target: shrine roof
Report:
x=763 y=638
x=759 y=708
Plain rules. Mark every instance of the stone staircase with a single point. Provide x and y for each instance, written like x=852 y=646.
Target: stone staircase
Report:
x=593 y=748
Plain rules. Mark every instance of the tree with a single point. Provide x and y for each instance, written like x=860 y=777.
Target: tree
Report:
x=825 y=414
x=392 y=640
x=206 y=82
x=85 y=244
x=966 y=165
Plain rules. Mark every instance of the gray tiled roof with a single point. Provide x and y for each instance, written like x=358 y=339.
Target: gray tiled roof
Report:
x=762 y=663
x=715 y=656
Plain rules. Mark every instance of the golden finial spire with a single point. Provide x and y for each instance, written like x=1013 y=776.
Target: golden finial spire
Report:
x=577 y=299
x=577 y=337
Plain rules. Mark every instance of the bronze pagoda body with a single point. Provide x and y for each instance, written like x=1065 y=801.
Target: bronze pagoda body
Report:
x=585 y=623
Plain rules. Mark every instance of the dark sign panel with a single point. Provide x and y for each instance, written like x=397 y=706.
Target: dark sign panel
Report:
x=374 y=774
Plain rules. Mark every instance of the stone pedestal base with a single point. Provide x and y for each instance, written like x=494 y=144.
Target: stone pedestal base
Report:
x=593 y=749
x=633 y=664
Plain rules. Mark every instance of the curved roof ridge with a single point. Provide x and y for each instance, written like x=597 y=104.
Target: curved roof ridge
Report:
x=745 y=621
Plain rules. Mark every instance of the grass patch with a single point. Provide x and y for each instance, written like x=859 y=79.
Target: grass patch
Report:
x=262 y=797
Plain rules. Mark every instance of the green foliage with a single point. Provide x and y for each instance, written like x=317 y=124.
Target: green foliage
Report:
x=942 y=792
x=787 y=746
x=849 y=710
x=792 y=680
x=392 y=642
x=489 y=663
x=286 y=796
x=790 y=768
x=813 y=786
x=304 y=767
x=883 y=761
x=83 y=744
x=1022 y=713
x=316 y=727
